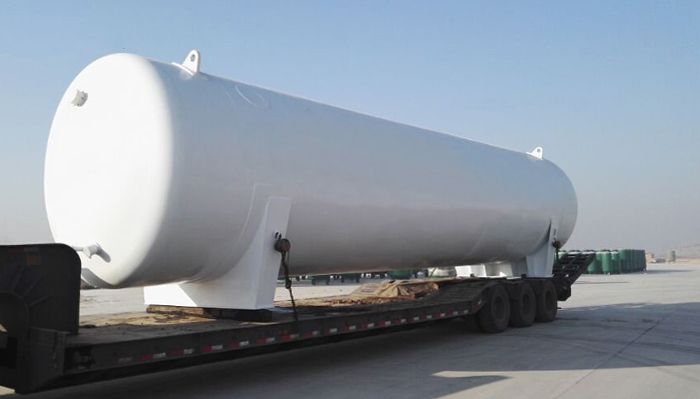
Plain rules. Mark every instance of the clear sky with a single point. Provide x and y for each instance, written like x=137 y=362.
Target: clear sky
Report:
x=610 y=89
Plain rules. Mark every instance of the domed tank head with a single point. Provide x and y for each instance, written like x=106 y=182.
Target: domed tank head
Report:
x=108 y=165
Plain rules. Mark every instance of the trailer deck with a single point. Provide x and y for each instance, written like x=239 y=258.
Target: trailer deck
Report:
x=38 y=352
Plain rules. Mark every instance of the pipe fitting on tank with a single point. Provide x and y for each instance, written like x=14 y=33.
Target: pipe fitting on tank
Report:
x=90 y=250
x=80 y=98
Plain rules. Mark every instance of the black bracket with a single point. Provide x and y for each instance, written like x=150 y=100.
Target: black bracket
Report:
x=39 y=308
x=39 y=287
x=567 y=269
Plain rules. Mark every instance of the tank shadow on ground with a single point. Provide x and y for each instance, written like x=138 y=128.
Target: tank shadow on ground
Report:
x=436 y=361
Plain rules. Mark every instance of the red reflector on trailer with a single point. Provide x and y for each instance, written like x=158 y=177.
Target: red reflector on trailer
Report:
x=239 y=344
x=264 y=341
x=310 y=334
x=177 y=352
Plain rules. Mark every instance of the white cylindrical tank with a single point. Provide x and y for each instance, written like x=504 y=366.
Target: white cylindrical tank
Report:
x=159 y=173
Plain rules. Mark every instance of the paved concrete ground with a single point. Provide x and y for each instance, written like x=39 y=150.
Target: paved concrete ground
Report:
x=629 y=336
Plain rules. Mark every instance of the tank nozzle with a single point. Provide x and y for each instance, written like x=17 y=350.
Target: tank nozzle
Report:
x=93 y=249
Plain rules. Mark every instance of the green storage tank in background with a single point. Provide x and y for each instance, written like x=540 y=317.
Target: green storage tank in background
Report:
x=642 y=260
x=615 y=267
x=616 y=261
x=632 y=260
x=625 y=265
x=591 y=269
x=598 y=263
x=400 y=274
x=606 y=262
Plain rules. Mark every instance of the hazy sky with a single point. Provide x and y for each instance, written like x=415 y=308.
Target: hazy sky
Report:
x=610 y=89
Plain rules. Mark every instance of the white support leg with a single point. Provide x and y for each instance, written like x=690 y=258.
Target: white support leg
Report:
x=250 y=284
x=541 y=262
x=471 y=270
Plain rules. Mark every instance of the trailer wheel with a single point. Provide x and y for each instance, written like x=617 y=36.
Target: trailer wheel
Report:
x=546 y=303
x=523 y=306
x=494 y=316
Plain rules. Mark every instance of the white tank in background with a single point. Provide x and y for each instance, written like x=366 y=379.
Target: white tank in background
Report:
x=161 y=174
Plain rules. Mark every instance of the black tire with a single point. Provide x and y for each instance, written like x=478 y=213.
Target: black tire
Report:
x=495 y=315
x=546 y=303
x=523 y=305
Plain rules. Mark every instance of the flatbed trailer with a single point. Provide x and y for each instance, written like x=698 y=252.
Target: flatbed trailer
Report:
x=44 y=344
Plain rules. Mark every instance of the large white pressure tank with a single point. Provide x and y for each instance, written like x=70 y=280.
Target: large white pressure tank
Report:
x=160 y=173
